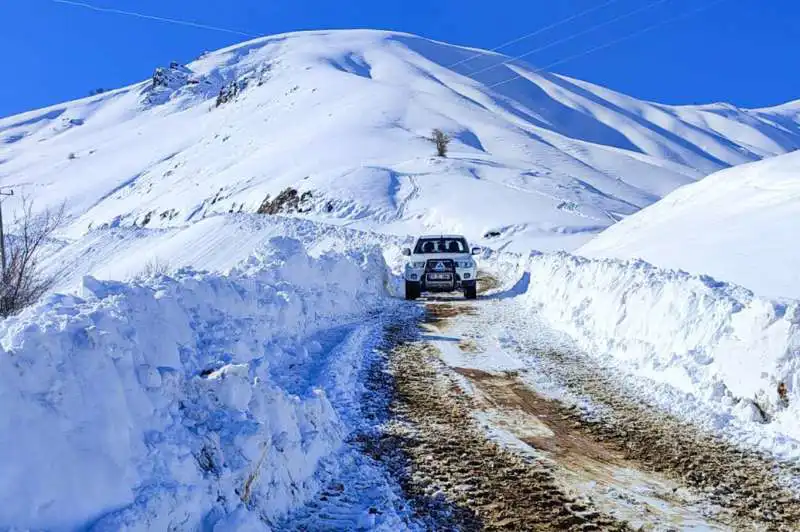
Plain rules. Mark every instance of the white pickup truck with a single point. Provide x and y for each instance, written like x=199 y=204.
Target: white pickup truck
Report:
x=441 y=263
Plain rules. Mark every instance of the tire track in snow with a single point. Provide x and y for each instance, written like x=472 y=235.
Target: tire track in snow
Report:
x=360 y=487
x=449 y=459
x=452 y=448
x=716 y=483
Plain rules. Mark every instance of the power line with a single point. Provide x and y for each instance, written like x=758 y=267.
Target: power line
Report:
x=153 y=17
x=573 y=36
x=615 y=41
x=537 y=32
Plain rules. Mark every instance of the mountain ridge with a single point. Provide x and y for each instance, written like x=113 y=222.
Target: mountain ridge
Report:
x=542 y=161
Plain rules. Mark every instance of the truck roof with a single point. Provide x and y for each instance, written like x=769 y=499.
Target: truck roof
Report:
x=440 y=236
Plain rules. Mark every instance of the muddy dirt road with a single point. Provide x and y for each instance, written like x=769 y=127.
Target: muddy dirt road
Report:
x=473 y=417
x=496 y=454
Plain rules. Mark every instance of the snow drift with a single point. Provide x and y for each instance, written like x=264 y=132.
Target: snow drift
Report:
x=216 y=243
x=159 y=403
x=739 y=225
x=716 y=341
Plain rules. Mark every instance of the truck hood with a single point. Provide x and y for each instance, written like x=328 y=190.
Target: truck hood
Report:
x=428 y=256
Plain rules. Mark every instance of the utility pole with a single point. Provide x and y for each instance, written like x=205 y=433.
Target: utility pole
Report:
x=2 y=232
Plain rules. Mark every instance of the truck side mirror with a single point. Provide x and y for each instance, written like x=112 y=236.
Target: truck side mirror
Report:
x=476 y=250
x=407 y=252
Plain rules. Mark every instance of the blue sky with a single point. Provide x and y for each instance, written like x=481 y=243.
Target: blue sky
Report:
x=741 y=51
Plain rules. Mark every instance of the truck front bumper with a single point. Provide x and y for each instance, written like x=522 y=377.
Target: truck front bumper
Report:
x=455 y=281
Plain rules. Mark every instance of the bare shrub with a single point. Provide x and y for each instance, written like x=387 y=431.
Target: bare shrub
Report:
x=442 y=141
x=153 y=267
x=22 y=281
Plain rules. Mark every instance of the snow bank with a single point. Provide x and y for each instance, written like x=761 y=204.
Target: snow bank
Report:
x=714 y=340
x=217 y=243
x=156 y=405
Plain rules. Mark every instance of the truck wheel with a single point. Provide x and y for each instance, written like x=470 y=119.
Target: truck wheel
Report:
x=470 y=291
x=412 y=290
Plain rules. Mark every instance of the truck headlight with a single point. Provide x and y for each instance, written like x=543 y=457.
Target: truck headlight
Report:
x=465 y=264
x=416 y=265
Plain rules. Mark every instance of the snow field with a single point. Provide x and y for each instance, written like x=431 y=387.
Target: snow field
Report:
x=716 y=341
x=159 y=403
x=740 y=225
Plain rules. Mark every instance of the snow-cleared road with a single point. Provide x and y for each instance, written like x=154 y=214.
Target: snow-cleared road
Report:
x=477 y=417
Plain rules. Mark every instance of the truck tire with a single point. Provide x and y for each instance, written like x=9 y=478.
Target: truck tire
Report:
x=471 y=291
x=412 y=290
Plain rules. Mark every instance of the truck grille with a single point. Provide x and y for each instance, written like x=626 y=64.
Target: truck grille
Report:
x=440 y=266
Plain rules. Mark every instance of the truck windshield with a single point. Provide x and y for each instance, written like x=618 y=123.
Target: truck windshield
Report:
x=441 y=245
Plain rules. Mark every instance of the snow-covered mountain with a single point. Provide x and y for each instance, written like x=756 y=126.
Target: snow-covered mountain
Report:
x=739 y=225
x=234 y=399
x=342 y=117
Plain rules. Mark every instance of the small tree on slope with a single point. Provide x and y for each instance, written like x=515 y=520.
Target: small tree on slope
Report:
x=22 y=282
x=442 y=140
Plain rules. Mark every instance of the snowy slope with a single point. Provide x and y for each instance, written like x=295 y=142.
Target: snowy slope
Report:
x=739 y=225
x=545 y=160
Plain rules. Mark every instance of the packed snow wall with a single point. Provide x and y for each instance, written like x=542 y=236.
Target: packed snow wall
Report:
x=162 y=403
x=716 y=341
